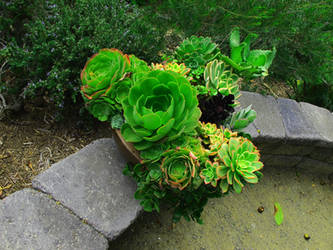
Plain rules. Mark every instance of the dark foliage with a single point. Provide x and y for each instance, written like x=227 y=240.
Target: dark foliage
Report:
x=215 y=109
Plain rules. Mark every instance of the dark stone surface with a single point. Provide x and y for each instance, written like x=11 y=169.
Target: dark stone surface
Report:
x=91 y=184
x=31 y=220
x=298 y=129
x=268 y=119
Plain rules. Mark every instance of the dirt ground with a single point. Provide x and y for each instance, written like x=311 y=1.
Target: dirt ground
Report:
x=31 y=141
x=233 y=222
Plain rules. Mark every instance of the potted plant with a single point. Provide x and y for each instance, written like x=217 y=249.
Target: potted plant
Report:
x=178 y=121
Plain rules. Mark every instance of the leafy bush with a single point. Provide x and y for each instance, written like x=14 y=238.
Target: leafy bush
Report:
x=301 y=31
x=62 y=35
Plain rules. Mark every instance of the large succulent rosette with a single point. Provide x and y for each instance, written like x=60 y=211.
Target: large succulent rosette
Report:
x=179 y=167
x=240 y=162
x=160 y=107
x=103 y=74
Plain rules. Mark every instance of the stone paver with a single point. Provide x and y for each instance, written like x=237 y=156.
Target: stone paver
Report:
x=30 y=220
x=298 y=129
x=268 y=119
x=321 y=119
x=91 y=184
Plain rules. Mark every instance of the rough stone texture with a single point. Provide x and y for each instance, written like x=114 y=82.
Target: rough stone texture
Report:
x=268 y=119
x=298 y=129
x=91 y=184
x=321 y=119
x=29 y=220
x=314 y=166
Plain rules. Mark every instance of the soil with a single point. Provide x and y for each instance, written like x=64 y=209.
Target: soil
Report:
x=31 y=141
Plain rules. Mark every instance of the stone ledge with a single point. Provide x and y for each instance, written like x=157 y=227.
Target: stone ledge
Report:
x=91 y=184
x=31 y=220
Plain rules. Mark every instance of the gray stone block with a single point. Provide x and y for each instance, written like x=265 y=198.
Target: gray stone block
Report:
x=321 y=119
x=30 y=220
x=298 y=129
x=91 y=184
x=315 y=166
x=268 y=119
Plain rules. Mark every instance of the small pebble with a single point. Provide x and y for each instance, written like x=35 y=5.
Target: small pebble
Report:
x=260 y=209
x=306 y=236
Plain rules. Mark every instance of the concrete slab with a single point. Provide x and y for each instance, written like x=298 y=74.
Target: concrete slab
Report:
x=268 y=120
x=298 y=129
x=321 y=119
x=91 y=184
x=30 y=220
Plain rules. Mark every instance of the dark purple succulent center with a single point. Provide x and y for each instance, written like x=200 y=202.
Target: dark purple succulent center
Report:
x=216 y=109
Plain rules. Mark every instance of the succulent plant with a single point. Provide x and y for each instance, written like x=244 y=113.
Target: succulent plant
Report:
x=240 y=161
x=173 y=66
x=179 y=167
x=138 y=68
x=216 y=109
x=219 y=78
x=196 y=52
x=103 y=73
x=241 y=119
x=209 y=173
x=159 y=107
x=248 y=63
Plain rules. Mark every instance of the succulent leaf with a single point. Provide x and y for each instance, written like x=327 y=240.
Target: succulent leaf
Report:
x=196 y=52
x=179 y=167
x=162 y=103
x=240 y=161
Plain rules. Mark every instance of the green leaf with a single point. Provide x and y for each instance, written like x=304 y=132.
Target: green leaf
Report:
x=117 y=121
x=278 y=214
x=128 y=134
x=151 y=121
x=234 y=38
x=147 y=205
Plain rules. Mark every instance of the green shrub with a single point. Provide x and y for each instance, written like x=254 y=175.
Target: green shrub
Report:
x=301 y=31
x=61 y=36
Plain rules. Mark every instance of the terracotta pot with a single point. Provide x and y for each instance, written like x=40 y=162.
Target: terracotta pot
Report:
x=126 y=148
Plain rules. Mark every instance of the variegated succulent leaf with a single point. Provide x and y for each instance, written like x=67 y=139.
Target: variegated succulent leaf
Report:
x=240 y=161
x=209 y=173
x=242 y=118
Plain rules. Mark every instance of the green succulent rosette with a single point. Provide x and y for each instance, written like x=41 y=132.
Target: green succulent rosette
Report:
x=104 y=74
x=179 y=167
x=159 y=108
x=240 y=161
x=196 y=52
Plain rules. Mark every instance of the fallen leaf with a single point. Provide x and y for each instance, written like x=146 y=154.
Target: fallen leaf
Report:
x=278 y=214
